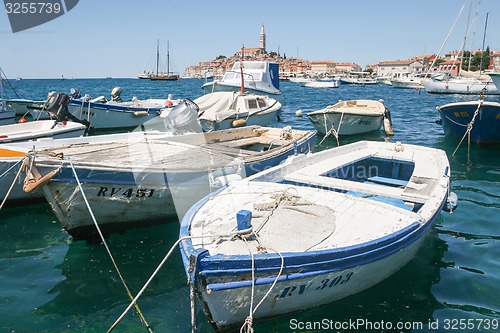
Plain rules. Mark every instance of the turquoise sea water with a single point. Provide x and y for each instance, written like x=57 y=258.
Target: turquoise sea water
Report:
x=49 y=283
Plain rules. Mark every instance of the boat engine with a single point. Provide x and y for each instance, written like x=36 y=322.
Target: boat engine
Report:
x=183 y=117
x=116 y=93
x=57 y=105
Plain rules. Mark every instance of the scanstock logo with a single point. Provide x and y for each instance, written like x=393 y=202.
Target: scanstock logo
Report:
x=25 y=15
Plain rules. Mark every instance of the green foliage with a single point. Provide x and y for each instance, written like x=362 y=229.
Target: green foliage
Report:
x=220 y=57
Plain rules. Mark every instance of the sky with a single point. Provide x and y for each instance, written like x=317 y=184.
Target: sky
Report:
x=116 y=38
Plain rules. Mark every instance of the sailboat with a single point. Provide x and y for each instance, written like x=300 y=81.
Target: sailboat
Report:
x=163 y=76
x=472 y=85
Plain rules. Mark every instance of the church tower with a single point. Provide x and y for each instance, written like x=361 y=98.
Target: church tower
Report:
x=262 y=40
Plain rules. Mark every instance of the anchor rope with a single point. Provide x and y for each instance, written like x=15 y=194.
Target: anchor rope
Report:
x=107 y=247
x=331 y=130
x=13 y=182
x=469 y=129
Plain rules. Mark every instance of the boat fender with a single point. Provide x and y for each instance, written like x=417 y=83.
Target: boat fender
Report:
x=34 y=183
x=451 y=202
x=298 y=113
x=21 y=121
x=238 y=123
x=140 y=113
x=387 y=121
x=224 y=180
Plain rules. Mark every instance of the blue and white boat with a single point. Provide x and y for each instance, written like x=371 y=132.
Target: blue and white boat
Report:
x=312 y=230
x=259 y=77
x=478 y=120
x=115 y=114
x=140 y=183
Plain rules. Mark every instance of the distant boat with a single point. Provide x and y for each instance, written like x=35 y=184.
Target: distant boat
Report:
x=358 y=78
x=7 y=113
x=229 y=109
x=168 y=76
x=408 y=81
x=259 y=77
x=349 y=117
x=143 y=183
x=478 y=120
x=322 y=84
x=312 y=230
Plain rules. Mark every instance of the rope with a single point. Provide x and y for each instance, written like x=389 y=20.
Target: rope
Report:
x=107 y=248
x=469 y=129
x=328 y=132
x=13 y=182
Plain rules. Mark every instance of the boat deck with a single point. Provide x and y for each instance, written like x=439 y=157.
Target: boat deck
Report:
x=282 y=211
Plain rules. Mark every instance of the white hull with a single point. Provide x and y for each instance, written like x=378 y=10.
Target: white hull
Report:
x=303 y=293
x=140 y=183
x=460 y=86
x=322 y=84
x=407 y=84
x=35 y=130
x=495 y=77
x=349 y=117
x=260 y=119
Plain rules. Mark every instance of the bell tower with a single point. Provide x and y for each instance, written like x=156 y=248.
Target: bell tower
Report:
x=262 y=40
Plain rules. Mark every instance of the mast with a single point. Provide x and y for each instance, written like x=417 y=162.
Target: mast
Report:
x=157 y=54
x=465 y=40
x=482 y=48
x=168 y=58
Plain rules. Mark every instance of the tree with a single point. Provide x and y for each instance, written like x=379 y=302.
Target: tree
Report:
x=220 y=57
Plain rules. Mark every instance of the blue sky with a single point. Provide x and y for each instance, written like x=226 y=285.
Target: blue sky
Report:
x=118 y=38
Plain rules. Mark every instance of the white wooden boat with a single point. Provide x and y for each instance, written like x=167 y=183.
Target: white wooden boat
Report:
x=259 y=77
x=131 y=184
x=229 y=109
x=322 y=84
x=349 y=117
x=34 y=130
x=408 y=81
x=312 y=230
x=12 y=155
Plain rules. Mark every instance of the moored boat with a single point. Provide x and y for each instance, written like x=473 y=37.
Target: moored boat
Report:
x=229 y=109
x=350 y=117
x=477 y=121
x=312 y=230
x=259 y=77
x=147 y=182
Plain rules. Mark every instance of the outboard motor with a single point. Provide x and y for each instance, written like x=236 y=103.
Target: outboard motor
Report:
x=116 y=93
x=75 y=93
x=57 y=105
x=183 y=117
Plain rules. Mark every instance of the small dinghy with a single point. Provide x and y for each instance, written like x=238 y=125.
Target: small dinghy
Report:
x=312 y=230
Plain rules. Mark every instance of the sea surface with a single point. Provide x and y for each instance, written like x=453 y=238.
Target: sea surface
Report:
x=50 y=283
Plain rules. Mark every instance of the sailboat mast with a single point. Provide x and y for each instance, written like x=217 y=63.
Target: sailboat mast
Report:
x=157 y=54
x=482 y=48
x=465 y=40
x=168 y=58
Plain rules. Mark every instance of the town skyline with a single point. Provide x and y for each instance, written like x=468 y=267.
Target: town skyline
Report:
x=123 y=44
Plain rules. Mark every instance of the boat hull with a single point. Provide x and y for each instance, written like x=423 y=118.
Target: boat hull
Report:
x=467 y=87
x=108 y=116
x=346 y=124
x=260 y=119
x=228 y=308
x=216 y=86
x=124 y=198
x=455 y=118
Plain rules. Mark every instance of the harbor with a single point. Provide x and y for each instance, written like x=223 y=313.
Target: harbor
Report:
x=337 y=175
x=54 y=283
